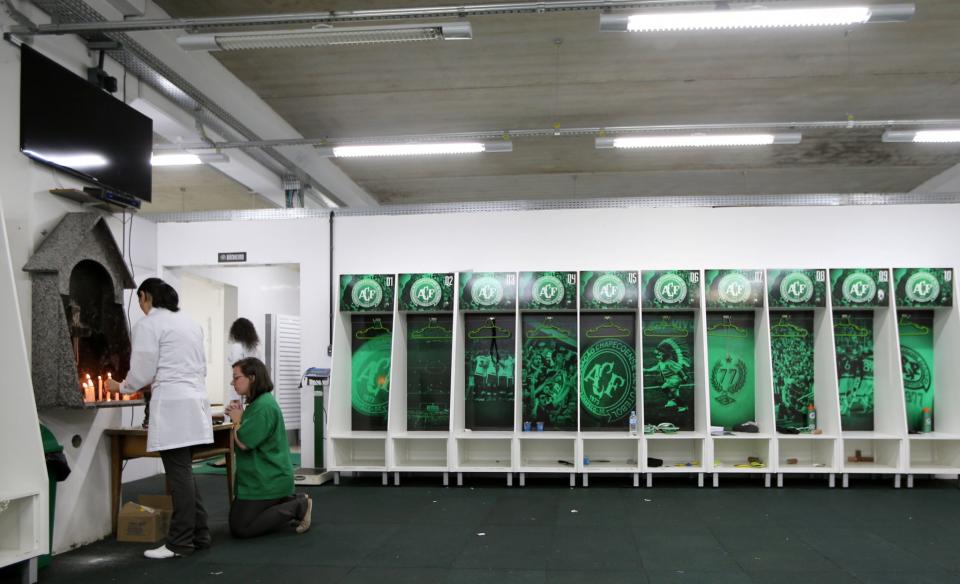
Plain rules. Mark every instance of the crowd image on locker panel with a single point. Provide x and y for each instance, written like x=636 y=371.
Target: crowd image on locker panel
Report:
x=549 y=380
x=792 y=380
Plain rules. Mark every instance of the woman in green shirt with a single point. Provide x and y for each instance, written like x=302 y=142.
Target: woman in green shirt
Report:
x=265 y=498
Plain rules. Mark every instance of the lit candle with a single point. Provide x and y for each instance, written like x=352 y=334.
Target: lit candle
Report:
x=100 y=383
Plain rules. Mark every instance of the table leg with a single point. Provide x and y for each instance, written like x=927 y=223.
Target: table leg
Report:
x=116 y=469
x=229 y=459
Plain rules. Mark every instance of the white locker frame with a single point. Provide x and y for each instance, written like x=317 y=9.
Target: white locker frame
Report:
x=761 y=444
x=510 y=452
x=938 y=453
x=348 y=450
x=684 y=452
x=886 y=442
x=824 y=448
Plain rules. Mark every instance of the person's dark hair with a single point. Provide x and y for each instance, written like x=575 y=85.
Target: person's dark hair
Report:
x=162 y=294
x=243 y=331
x=256 y=372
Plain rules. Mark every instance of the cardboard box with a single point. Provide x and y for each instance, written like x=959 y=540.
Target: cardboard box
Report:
x=146 y=521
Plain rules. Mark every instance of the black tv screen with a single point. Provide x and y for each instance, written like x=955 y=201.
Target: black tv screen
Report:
x=76 y=127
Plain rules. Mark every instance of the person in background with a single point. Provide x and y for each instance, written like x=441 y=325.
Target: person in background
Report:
x=167 y=353
x=244 y=343
x=265 y=498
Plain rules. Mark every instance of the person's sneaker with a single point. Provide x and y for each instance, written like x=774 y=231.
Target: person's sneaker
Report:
x=305 y=522
x=160 y=553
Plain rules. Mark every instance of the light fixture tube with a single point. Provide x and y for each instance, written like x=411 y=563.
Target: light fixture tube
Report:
x=697 y=140
x=755 y=17
x=421 y=149
x=177 y=159
x=325 y=37
x=922 y=136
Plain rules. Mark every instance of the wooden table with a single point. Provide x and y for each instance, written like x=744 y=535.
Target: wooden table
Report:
x=127 y=443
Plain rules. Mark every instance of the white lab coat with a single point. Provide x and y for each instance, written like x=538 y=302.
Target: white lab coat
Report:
x=168 y=353
x=238 y=351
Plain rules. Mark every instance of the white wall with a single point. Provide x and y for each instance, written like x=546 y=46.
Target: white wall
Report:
x=780 y=237
x=203 y=300
x=30 y=211
x=261 y=290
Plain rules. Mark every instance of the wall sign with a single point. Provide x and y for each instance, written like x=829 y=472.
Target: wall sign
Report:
x=229 y=257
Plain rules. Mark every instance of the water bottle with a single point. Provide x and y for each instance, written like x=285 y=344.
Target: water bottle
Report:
x=633 y=423
x=927 y=421
x=811 y=417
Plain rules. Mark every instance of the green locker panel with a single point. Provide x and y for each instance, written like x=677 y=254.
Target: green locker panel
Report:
x=370 y=370
x=608 y=370
x=916 y=359
x=668 y=369
x=490 y=354
x=429 y=354
x=791 y=346
x=853 y=337
x=731 y=363
x=550 y=370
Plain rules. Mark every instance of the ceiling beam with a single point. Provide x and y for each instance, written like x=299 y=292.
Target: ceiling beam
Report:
x=164 y=22
x=201 y=80
x=947 y=181
x=175 y=125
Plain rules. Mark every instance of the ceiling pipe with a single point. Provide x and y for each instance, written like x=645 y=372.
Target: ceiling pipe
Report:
x=582 y=131
x=460 y=11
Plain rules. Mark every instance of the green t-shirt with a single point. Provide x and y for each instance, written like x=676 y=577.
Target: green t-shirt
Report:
x=264 y=470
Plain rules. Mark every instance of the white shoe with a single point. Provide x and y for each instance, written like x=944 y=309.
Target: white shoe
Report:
x=160 y=553
x=307 y=517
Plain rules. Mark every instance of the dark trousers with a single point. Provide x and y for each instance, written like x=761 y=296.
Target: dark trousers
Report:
x=250 y=518
x=188 y=525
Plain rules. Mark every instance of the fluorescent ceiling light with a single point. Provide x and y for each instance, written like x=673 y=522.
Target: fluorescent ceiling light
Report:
x=922 y=136
x=697 y=140
x=755 y=17
x=179 y=159
x=326 y=37
x=71 y=160
x=426 y=149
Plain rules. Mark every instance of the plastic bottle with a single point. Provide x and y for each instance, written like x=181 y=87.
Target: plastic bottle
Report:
x=811 y=417
x=927 y=421
x=633 y=423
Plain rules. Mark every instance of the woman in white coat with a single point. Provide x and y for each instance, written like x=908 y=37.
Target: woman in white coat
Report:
x=244 y=343
x=167 y=354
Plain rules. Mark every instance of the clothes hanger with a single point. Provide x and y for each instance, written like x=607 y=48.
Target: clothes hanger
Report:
x=373 y=331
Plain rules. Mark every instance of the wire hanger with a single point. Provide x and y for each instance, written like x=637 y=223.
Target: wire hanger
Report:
x=908 y=328
x=373 y=331
x=608 y=330
x=490 y=330
x=725 y=328
x=666 y=327
x=432 y=332
x=546 y=330
x=846 y=328
x=787 y=330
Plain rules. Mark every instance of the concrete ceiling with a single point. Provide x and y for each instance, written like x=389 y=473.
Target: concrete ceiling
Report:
x=178 y=189
x=557 y=69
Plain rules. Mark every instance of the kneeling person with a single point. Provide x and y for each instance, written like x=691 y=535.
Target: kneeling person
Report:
x=265 y=499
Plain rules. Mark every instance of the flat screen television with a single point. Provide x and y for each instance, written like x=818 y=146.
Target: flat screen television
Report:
x=72 y=125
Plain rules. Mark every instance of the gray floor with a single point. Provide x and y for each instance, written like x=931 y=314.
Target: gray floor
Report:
x=547 y=532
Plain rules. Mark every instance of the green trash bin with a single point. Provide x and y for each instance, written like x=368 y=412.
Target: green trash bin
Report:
x=57 y=470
